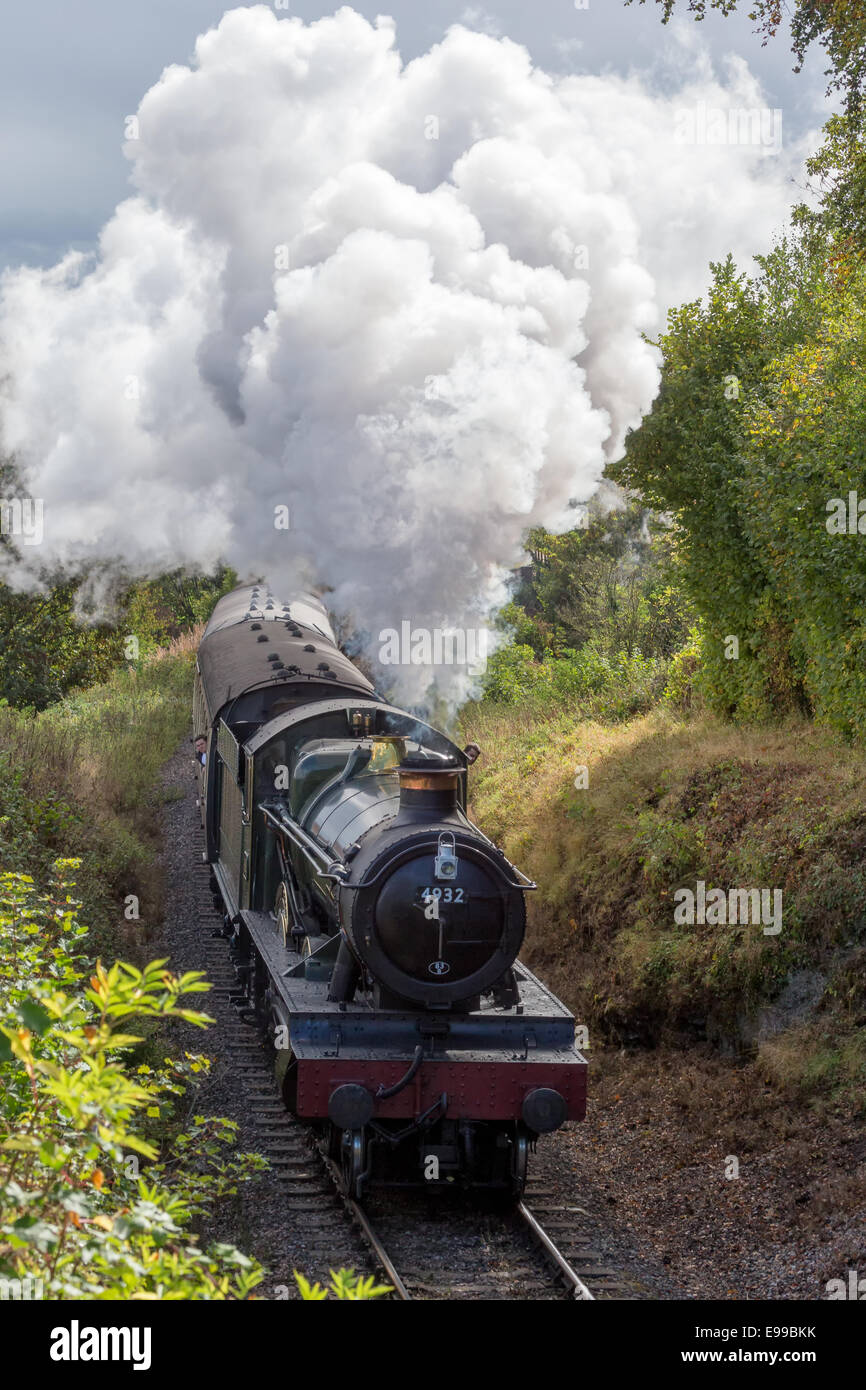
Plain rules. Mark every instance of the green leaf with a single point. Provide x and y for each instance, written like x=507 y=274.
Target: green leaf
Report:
x=34 y=1017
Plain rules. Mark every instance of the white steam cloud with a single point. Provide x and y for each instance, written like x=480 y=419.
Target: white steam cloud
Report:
x=404 y=302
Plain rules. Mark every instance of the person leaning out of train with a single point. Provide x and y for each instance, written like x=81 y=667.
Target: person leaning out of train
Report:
x=201 y=749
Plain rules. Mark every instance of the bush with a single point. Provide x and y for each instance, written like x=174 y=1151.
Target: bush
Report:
x=607 y=687
x=79 y=779
x=345 y=1284
x=681 y=689
x=77 y=1118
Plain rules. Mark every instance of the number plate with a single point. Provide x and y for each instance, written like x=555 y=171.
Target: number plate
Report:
x=450 y=896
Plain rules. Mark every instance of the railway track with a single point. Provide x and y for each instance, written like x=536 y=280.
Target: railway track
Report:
x=494 y=1259
x=426 y=1249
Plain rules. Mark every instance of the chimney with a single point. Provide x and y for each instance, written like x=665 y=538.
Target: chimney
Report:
x=428 y=787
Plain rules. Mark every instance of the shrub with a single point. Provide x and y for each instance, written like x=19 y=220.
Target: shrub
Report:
x=613 y=687
x=77 y=1118
x=681 y=689
x=345 y=1284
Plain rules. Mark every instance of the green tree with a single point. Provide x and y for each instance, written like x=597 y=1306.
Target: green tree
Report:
x=688 y=458
x=758 y=427
x=836 y=227
x=46 y=651
x=614 y=583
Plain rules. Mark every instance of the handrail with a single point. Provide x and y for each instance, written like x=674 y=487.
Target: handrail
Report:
x=279 y=817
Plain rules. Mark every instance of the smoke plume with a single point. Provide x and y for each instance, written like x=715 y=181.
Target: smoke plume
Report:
x=362 y=322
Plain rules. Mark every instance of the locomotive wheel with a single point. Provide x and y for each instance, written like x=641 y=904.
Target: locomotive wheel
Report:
x=353 y=1162
x=283 y=914
x=311 y=944
x=519 y=1158
x=509 y=1174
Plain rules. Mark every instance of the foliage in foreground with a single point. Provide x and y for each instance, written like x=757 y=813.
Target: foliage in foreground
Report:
x=345 y=1284
x=88 y=1205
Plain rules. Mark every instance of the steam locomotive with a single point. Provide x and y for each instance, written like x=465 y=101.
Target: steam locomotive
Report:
x=375 y=929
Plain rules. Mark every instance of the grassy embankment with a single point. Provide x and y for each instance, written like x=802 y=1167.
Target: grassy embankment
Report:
x=671 y=801
x=80 y=780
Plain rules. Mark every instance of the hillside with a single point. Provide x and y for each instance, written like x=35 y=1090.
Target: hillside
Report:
x=724 y=1135
x=669 y=803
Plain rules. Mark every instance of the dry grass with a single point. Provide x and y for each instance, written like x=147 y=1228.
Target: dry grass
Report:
x=186 y=644
x=670 y=801
x=814 y=1058
x=79 y=780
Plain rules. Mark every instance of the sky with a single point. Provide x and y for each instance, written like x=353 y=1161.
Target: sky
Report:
x=71 y=73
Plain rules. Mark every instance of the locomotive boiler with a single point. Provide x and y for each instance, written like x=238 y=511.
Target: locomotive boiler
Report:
x=376 y=930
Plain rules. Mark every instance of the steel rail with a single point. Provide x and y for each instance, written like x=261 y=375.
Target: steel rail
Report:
x=579 y=1290
x=573 y=1281
x=358 y=1214
x=379 y=1251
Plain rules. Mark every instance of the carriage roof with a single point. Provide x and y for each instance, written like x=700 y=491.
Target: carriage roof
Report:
x=255 y=639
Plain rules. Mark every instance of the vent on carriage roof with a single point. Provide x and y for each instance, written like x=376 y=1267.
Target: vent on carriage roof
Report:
x=309 y=647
